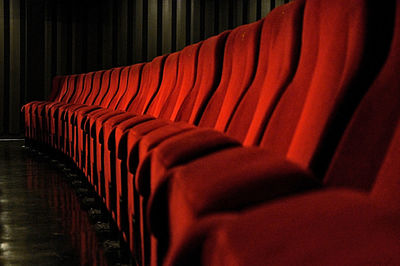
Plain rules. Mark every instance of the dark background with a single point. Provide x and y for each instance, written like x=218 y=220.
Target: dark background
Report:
x=43 y=38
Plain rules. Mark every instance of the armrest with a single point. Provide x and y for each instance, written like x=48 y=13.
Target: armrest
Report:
x=181 y=149
x=228 y=180
x=236 y=178
x=191 y=145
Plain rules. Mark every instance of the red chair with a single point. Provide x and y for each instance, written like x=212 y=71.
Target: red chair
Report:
x=27 y=109
x=309 y=115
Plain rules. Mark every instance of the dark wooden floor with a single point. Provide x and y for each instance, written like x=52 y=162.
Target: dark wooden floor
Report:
x=41 y=219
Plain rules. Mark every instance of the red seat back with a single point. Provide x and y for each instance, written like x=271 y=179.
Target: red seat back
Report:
x=120 y=87
x=87 y=87
x=113 y=87
x=367 y=156
x=240 y=62
x=62 y=90
x=94 y=85
x=132 y=86
x=149 y=85
x=278 y=59
x=185 y=81
x=79 y=89
x=103 y=89
x=168 y=84
x=69 y=89
x=337 y=61
x=56 y=87
x=208 y=72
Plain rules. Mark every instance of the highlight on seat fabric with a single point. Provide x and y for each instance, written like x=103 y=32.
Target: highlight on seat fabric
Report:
x=205 y=82
x=130 y=80
x=239 y=60
x=348 y=169
x=178 y=79
x=276 y=142
x=180 y=215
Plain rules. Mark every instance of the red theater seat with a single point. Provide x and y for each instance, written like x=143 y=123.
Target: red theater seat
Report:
x=69 y=135
x=237 y=74
x=276 y=142
x=299 y=107
x=38 y=110
x=95 y=85
x=129 y=86
x=121 y=81
x=178 y=80
x=357 y=224
x=349 y=221
x=150 y=83
x=81 y=113
x=50 y=111
x=206 y=80
x=28 y=108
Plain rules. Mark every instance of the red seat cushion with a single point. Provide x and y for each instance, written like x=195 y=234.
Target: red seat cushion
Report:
x=315 y=229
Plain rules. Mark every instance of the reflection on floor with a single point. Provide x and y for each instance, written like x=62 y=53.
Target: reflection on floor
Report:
x=41 y=220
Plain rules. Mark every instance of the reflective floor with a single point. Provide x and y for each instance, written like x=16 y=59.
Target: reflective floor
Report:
x=41 y=221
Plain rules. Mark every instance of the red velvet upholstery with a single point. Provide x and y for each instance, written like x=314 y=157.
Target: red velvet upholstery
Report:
x=205 y=83
x=230 y=76
x=274 y=143
x=207 y=77
x=339 y=58
x=250 y=176
x=150 y=84
x=185 y=82
x=178 y=80
x=58 y=128
x=371 y=139
x=38 y=107
x=51 y=110
x=280 y=46
x=150 y=81
x=95 y=89
x=119 y=85
x=69 y=133
x=81 y=114
x=55 y=94
x=385 y=190
x=324 y=228
x=332 y=73
x=240 y=63
x=55 y=88
x=365 y=157
x=129 y=82
x=237 y=73
x=90 y=119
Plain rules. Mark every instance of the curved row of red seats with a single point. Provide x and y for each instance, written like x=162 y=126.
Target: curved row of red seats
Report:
x=274 y=143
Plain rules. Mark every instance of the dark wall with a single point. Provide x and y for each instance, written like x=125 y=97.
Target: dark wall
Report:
x=43 y=38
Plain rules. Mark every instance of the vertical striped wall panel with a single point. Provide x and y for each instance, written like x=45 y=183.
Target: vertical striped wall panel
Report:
x=107 y=34
x=151 y=30
x=166 y=23
x=48 y=50
x=195 y=21
x=138 y=32
x=2 y=67
x=43 y=38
